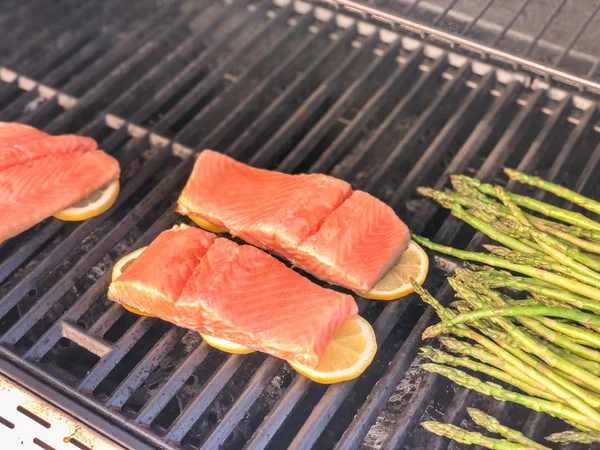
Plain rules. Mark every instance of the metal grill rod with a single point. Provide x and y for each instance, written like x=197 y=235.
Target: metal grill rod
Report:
x=200 y=125
x=273 y=148
x=445 y=94
x=240 y=145
x=391 y=87
x=277 y=77
x=312 y=138
x=215 y=76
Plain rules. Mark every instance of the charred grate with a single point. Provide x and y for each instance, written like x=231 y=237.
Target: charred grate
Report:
x=281 y=85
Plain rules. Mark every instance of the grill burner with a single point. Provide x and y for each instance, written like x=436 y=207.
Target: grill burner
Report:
x=281 y=85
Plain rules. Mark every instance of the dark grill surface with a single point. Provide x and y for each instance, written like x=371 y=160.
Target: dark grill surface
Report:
x=283 y=86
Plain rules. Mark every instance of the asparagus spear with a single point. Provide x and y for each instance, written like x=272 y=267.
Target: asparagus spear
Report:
x=463 y=348
x=567 y=194
x=548 y=210
x=505 y=239
x=497 y=279
x=470 y=437
x=565 y=254
x=440 y=357
x=498 y=392
x=567 y=437
x=578 y=335
x=523 y=311
x=492 y=424
x=548 y=380
x=491 y=260
x=529 y=344
x=590 y=366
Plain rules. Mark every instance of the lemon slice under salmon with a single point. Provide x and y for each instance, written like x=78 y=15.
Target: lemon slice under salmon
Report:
x=347 y=356
x=206 y=225
x=225 y=345
x=93 y=205
x=414 y=263
x=121 y=266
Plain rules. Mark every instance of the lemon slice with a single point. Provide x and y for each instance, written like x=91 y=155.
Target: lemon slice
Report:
x=123 y=264
x=206 y=225
x=93 y=205
x=226 y=346
x=414 y=263
x=347 y=355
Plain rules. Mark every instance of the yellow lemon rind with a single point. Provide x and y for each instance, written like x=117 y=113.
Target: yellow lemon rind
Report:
x=225 y=345
x=406 y=288
x=366 y=357
x=71 y=214
x=206 y=225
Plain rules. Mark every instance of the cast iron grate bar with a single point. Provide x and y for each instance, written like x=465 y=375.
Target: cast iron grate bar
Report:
x=309 y=93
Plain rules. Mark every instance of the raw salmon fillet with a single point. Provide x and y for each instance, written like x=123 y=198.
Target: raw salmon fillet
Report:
x=348 y=238
x=154 y=282
x=269 y=209
x=22 y=143
x=42 y=174
x=235 y=292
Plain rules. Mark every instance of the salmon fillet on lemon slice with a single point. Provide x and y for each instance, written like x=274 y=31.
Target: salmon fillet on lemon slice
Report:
x=344 y=237
x=42 y=175
x=234 y=292
x=346 y=357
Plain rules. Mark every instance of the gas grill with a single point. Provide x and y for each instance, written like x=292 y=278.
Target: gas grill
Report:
x=388 y=95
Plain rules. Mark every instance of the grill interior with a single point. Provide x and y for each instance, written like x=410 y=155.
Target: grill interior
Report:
x=282 y=85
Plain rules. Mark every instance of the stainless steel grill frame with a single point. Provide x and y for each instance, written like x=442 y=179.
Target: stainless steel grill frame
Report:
x=283 y=85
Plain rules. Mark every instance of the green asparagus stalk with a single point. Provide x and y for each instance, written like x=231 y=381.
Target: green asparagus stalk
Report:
x=534 y=286
x=565 y=254
x=523 y=311
x=440 y=357
x=569 y=252
x=498 y=392
x=564 y=215
x=569 y=236
x=571 y=285
x=543 y=326
x=585 y=398
x=590 y=366
x=580 y=335
x=549 y=381
x=470 y=437
x=493 y=425
x=567 y=194
x=568 y=437
x=505 y=239
x=463 y=348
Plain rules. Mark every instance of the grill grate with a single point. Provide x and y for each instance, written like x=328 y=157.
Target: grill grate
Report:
x=286 y=86
x=554 y=38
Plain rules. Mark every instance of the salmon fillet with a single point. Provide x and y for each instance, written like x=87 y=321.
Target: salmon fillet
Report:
x=42 y=174
x=357 y=243
x=21 y=143
x=235 y=292
x=154 y=282
x=268 y=209
x=347 y=238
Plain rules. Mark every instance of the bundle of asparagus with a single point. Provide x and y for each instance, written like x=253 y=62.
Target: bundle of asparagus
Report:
x=546 y=345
